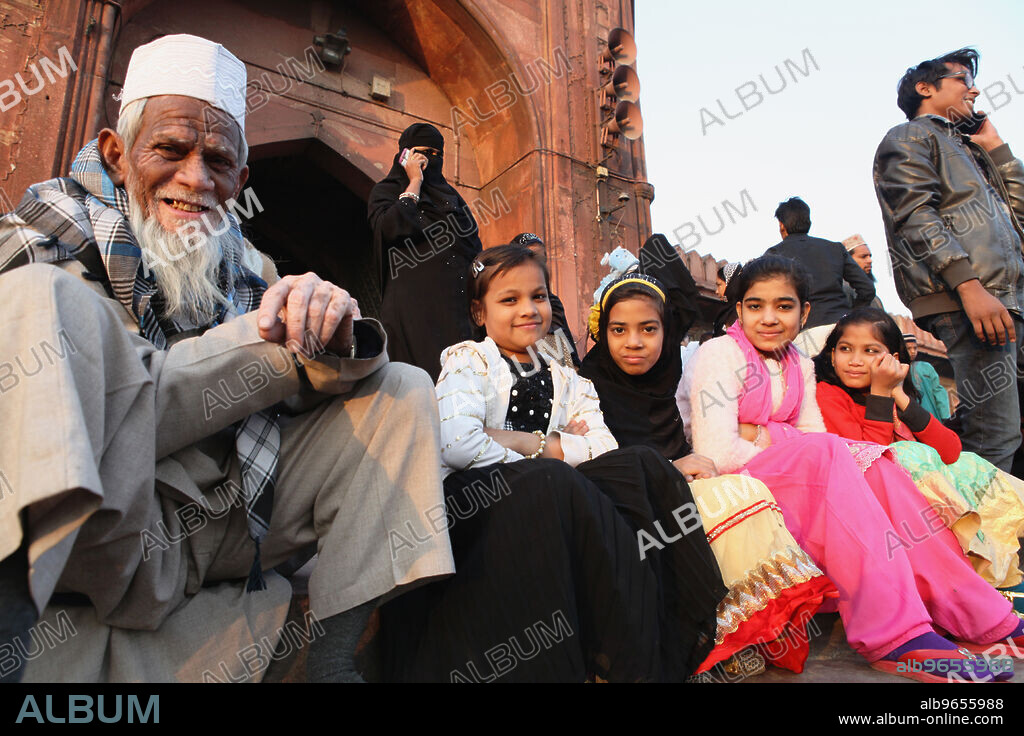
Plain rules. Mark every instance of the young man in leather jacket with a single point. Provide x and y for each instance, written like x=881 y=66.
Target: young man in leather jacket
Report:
x=953 y=204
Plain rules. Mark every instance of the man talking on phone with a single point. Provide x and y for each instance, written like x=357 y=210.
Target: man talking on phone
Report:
x=424 y=238
x=952 y=199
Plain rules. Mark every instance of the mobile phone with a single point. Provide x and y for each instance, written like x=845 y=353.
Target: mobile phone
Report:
x=971 y=125
x=404 y=158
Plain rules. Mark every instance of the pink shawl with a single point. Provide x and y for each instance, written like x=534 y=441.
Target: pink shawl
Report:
x=755 y=401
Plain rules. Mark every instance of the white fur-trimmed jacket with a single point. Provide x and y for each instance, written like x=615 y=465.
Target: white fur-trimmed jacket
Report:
x=473 y=393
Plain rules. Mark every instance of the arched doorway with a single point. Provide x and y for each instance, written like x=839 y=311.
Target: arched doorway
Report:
x=313 y=216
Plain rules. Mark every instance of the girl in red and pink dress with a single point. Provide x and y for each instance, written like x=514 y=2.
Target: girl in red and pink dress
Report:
x=749 y=405
x=863 y=395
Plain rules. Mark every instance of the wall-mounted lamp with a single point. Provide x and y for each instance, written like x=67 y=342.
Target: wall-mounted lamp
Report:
x=333 y=48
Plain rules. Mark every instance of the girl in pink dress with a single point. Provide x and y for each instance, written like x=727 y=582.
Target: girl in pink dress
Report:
x=748 y=400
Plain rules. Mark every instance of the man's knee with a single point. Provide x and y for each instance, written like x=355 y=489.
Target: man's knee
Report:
x=27 y=286
x=407 y=392
x=30 y=281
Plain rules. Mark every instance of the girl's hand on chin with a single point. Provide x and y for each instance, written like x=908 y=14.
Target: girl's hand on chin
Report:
x=887 y=374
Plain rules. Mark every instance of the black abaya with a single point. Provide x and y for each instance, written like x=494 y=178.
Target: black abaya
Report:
x=422 y=251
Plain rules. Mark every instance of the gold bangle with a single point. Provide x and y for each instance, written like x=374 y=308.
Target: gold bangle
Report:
x=540 y=450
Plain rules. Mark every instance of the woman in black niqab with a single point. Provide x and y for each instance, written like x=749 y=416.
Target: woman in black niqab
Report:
x=422 y=250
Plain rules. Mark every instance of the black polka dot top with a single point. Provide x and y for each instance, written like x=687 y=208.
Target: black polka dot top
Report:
x=529 y=406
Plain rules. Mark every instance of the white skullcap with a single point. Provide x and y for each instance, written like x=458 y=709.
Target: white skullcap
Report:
x=189 y=66
x=854 y=241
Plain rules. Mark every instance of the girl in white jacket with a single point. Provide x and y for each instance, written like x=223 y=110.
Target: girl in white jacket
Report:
x=548 y=519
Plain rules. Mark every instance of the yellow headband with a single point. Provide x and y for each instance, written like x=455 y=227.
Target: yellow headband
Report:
x=632 y=280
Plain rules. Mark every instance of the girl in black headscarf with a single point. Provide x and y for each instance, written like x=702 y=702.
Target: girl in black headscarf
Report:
x=774 y=588
x=641 y=409
x=424 y=238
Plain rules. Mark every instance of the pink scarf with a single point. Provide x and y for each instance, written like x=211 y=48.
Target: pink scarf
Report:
x=755 y=401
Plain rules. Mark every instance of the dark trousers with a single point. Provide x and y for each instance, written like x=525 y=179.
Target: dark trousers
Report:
x=988 y=384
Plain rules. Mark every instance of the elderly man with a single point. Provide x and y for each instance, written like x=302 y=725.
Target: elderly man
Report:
x=175 y=441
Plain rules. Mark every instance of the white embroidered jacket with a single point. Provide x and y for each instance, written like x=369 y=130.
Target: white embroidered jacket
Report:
x=473 y=393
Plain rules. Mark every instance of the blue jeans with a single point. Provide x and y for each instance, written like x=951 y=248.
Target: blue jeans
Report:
x=988 y=384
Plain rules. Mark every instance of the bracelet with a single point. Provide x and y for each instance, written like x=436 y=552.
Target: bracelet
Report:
x=411 y=195
x=543 y=442
x=757 y=437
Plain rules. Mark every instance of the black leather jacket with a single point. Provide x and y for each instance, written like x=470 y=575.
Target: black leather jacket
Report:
x=952 y=212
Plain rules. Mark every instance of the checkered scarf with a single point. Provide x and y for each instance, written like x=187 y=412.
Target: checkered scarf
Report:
x=85 y=217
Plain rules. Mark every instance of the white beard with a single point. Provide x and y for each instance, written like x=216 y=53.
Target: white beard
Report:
x=186 y=270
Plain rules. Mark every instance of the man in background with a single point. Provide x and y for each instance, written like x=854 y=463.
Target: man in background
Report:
x=861 y=254
x=829 y=266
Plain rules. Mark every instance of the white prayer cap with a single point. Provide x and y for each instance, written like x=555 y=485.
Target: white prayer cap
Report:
x=854 y=241
x=189 y=66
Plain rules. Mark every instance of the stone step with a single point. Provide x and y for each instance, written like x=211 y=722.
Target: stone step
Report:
x=830 y=659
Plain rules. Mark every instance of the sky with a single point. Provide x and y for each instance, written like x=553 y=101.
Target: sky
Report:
x=815 y=137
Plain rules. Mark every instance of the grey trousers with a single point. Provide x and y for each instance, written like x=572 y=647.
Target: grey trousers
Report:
x=122 y=476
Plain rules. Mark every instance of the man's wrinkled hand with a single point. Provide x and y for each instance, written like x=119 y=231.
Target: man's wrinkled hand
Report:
x=305 y=312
